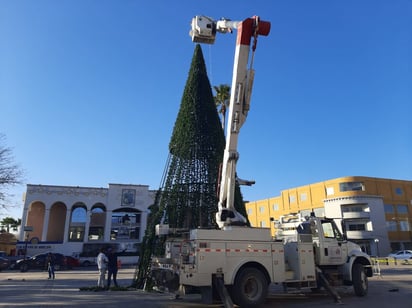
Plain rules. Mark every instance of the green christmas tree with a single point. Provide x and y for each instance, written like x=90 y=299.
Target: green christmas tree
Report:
x=188 y=196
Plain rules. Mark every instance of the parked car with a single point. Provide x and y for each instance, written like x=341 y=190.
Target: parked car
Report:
x=72 y=262
x=4 y=263
x=39 y=262
x=87 y=261
x=402 y=255
x=11 y=259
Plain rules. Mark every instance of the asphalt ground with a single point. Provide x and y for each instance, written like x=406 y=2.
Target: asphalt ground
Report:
x=393 y=287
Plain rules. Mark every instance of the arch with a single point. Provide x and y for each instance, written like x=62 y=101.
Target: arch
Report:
x=35 y=218
x=99 y=205
x=57 y=221
x=78 y=219
x=79 y=213
x=97 y=222
x=126 y=223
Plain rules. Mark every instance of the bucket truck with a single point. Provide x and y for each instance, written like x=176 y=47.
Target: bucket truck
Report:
x=238 y=261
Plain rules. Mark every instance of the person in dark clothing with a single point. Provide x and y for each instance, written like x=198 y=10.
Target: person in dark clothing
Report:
x=50 y=262
x=111 y=268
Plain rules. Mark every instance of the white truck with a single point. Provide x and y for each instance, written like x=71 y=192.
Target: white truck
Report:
x=240 y=262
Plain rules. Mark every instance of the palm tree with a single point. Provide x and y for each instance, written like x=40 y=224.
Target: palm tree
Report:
x=222 y=100
x=9 y=222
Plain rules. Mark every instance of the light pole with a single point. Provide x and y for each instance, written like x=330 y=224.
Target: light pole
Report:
x=25 y=248
x=27 y=229
x=377 y=246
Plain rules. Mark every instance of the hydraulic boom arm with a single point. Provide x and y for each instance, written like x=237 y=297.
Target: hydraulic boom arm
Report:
x=204 y=31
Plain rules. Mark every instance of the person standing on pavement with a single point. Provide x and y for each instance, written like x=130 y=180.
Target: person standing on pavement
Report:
x=112 y=268
x=50 y=262
x=102 y=266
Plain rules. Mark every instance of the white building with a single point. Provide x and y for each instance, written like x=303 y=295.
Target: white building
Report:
x=80 y=220
x=362 y=219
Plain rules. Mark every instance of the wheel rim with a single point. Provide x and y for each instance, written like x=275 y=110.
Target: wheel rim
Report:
x=364 y=280
x=251 y=288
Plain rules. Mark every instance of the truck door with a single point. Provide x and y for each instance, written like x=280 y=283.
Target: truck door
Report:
x=331 y=248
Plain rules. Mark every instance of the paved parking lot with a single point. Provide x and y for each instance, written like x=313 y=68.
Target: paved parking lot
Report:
x=32 y=289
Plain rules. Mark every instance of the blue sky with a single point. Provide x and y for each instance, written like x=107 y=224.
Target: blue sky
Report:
x=90 y=90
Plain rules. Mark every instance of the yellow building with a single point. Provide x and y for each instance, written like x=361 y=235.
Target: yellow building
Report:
x=374 y=212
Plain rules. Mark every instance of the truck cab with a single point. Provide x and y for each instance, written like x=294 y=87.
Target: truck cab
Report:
x=341 y=261
x=330 y=246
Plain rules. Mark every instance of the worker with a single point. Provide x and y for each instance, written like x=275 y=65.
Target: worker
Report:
x=102 y=262
x=112 y=268
x=50 y=262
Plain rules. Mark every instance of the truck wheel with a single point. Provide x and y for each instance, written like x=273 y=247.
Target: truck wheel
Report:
x=250 y=288
x=359 y=280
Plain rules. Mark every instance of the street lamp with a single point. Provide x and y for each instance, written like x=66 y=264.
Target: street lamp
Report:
x=27 y=241
x=377 y=246
x=27 y=229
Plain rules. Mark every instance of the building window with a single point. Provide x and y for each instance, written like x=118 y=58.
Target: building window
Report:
x=330 y=191
x=319 y=212
x=402 y=209
x=355 y=208
x=351 y=186
x=404 y=225
x=77 y=224
x=261 y=209
x=96 y=233
x=391 y=225
x=276 y=207
x=303 y=197
x=292 y=199
x=76 y=233
x=135 y=233
x=357 y=227
x=125 y=225
x=398 y=191
x=97 y=223
x=263 y=224
x=79 y=215
x=249 y=211
x=389 y=208
x=305 y=213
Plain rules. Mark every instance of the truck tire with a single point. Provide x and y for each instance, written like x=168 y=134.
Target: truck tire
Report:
x=359 y=280
x=250 y=288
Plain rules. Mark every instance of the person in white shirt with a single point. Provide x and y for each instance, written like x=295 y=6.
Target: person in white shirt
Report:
x=102 y=266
